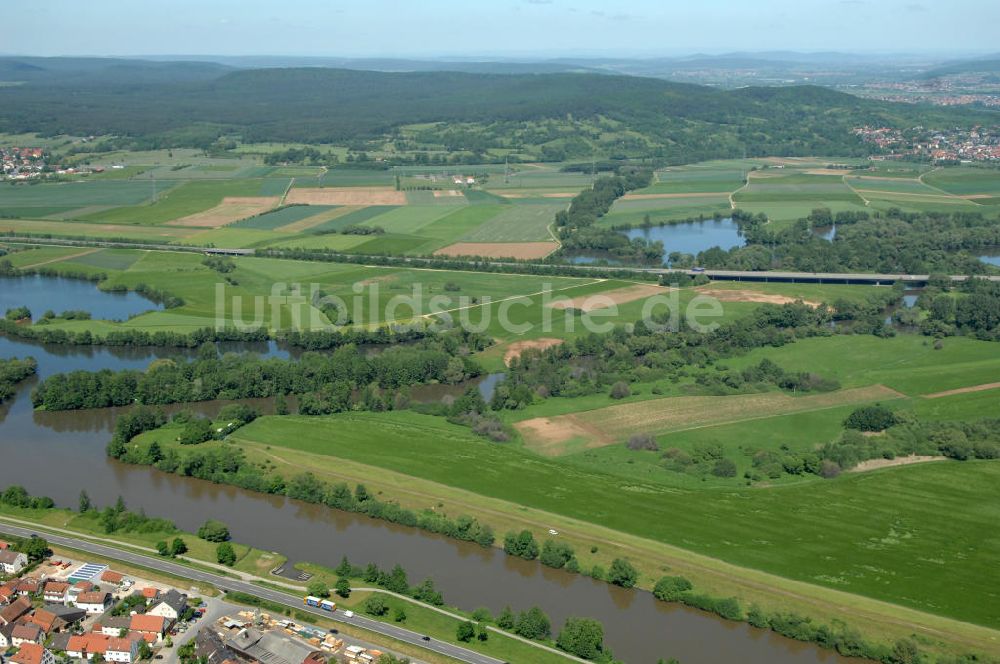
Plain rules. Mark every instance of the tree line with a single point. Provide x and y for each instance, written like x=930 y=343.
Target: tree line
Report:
x=327 y=379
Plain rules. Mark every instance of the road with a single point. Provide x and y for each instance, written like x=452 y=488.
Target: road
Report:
x=720 y=275
x=227 y=584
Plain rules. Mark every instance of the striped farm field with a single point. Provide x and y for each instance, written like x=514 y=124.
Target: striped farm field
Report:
x=353 y=218
x=555 y=436
x=289 y=214
x=517 y=223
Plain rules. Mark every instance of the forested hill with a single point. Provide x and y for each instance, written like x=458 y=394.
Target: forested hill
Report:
x=191 y=103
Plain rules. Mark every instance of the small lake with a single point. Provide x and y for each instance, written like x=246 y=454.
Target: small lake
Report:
x=41 y=294
x=686 y=238
x=993 y=259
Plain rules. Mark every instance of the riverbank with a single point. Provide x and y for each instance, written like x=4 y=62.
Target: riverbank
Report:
x=440 y=623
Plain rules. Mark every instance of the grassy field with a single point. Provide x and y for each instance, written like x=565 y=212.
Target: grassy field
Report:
x=517 y=223
x=187 y=198
x=865 y=533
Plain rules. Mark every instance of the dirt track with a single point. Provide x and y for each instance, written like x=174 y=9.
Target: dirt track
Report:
x=875 y=464
x=963 y=390
x=610 y=298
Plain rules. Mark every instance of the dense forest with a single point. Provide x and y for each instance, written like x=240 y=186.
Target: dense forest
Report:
x=172 y=104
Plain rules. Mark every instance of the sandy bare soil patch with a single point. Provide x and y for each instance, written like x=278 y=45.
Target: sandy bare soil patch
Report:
x=447 y=193
x=963 y=390
x=828 y=171
x=524 y=250
x=687 y=194
x=347 y=196
x=875 y=464
x=515 y=349
x=609 y=298
x=726 y=295
x=231 y=209
x=605 y=426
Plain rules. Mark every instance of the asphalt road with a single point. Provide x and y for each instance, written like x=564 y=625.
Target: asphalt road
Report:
x=225 y=583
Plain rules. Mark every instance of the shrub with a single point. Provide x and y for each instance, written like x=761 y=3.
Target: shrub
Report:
x=870 y=418
x=620 y=390
x=522 y=545
x=555 y=554
x=622 y=573
x=583 y=637
x=376 y=606
x=724 y=468
x=670 y=588
x=214 y=531
x=642 y=441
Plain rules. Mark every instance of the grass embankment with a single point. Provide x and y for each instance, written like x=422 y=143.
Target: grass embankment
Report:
x=248 y=559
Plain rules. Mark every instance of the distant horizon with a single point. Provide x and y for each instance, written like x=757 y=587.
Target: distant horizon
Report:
x=517 y=28
x=527 y=58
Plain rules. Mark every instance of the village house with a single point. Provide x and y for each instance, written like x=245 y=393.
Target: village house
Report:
x=12 y=562
x=169 y=605
x=112 y=625
x=33 y=653
x=77 y=589
x=10 y=613
x=87 y=646
x=25 y=633
x=94 y=601
x=114 y=578
x=125 y=650
x=28 y=587
x=54 y=592
x=47 y=621
x=150 y=627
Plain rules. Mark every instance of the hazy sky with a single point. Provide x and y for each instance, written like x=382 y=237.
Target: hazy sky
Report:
x=512 y=27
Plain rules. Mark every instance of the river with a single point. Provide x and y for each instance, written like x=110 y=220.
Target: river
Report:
x=58 y=454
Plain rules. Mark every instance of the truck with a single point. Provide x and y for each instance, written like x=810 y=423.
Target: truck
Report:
x=309 y=600
x=327 y=605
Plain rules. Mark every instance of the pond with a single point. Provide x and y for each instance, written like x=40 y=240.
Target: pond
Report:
x=41 y=294
x=686 y=238
x=991 y=259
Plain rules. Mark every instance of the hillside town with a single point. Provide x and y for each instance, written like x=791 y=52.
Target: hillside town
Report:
x=58 y=610
x=956 y=145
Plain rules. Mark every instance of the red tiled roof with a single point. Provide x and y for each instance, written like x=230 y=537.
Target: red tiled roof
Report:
x=120 y=645
x=30 y=653
x=112 y=577
x=56 y=587
x=28 y=632
x=15 y=610
x=93 y=597
x=44 y=619
x=150 y=593
x=145 y=623
x=95 y=644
